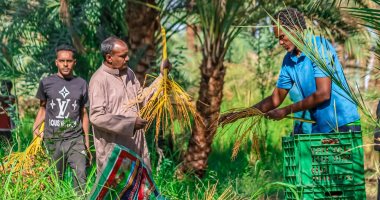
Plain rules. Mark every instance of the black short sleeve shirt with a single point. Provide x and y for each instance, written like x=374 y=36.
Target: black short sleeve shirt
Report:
x=65 y=98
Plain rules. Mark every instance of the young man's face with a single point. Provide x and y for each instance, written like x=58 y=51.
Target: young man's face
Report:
x=283 y=39
x=119 y=57
x=65 y=63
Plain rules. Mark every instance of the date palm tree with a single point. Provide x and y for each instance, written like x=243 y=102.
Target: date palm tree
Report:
x=217 y=22
x=143 y=25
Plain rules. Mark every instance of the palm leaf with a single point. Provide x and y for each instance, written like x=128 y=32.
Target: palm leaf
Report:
x=370 y=17
x=244 y=123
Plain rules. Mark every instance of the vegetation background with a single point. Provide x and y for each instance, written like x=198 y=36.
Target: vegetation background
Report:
x=248 y=63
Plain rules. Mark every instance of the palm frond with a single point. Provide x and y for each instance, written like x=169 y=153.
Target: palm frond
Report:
x=246 y=122
x=314 y=4
x=221 y=29
x=369 y=16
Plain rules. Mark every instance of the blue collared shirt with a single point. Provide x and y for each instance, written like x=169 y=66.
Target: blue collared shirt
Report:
x=339 y=110
x=296 y=96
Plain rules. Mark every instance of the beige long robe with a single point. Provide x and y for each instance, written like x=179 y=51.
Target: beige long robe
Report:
x=113 y=123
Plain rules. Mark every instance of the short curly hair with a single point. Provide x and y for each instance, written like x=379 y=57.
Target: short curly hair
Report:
x=65 y=47
x=291 y=18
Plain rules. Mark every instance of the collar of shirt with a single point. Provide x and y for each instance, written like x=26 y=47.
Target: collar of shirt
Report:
x=295 y=58
x=66 y=79
x=115 y=72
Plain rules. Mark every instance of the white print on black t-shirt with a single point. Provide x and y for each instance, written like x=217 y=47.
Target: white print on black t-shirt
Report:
x=62 y=123
x=52 y=104
x=62 y=105
x=62 y=108
x=74 y=105
x=64 y=92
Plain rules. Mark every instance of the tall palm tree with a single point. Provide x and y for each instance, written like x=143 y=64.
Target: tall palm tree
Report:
x=217 y=22
x=143 y=24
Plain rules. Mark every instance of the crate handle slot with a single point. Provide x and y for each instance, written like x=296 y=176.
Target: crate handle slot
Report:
x=333 y=194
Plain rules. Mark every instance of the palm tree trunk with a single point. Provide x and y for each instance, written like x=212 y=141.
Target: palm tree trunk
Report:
x=142 y=26
x=208 y=106
x=217 y=33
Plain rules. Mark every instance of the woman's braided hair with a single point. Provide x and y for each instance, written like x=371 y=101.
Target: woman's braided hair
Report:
x=291 y=18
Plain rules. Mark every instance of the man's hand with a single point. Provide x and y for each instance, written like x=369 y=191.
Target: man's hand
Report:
x=89 y=157
x=39 y=119
x=278 y=114
x=165 y=65
x=38 y=134
x=140 y=123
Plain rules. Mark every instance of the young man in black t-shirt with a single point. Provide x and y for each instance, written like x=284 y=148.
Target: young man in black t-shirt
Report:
x=63 y=100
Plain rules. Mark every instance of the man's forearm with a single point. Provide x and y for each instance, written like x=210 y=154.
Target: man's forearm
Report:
x=272 y=101
x=38 y=121
x=87 y=140
x=308 y=103
x=265 y=105
x=86 y=128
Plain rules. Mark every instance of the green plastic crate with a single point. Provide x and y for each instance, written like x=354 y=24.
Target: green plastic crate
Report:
x=334 y=192
x=323 y=159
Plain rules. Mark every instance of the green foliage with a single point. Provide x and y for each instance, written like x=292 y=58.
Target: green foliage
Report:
x=237 y=53
x=32 y=29
x=35 y=29
x=220 y=24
